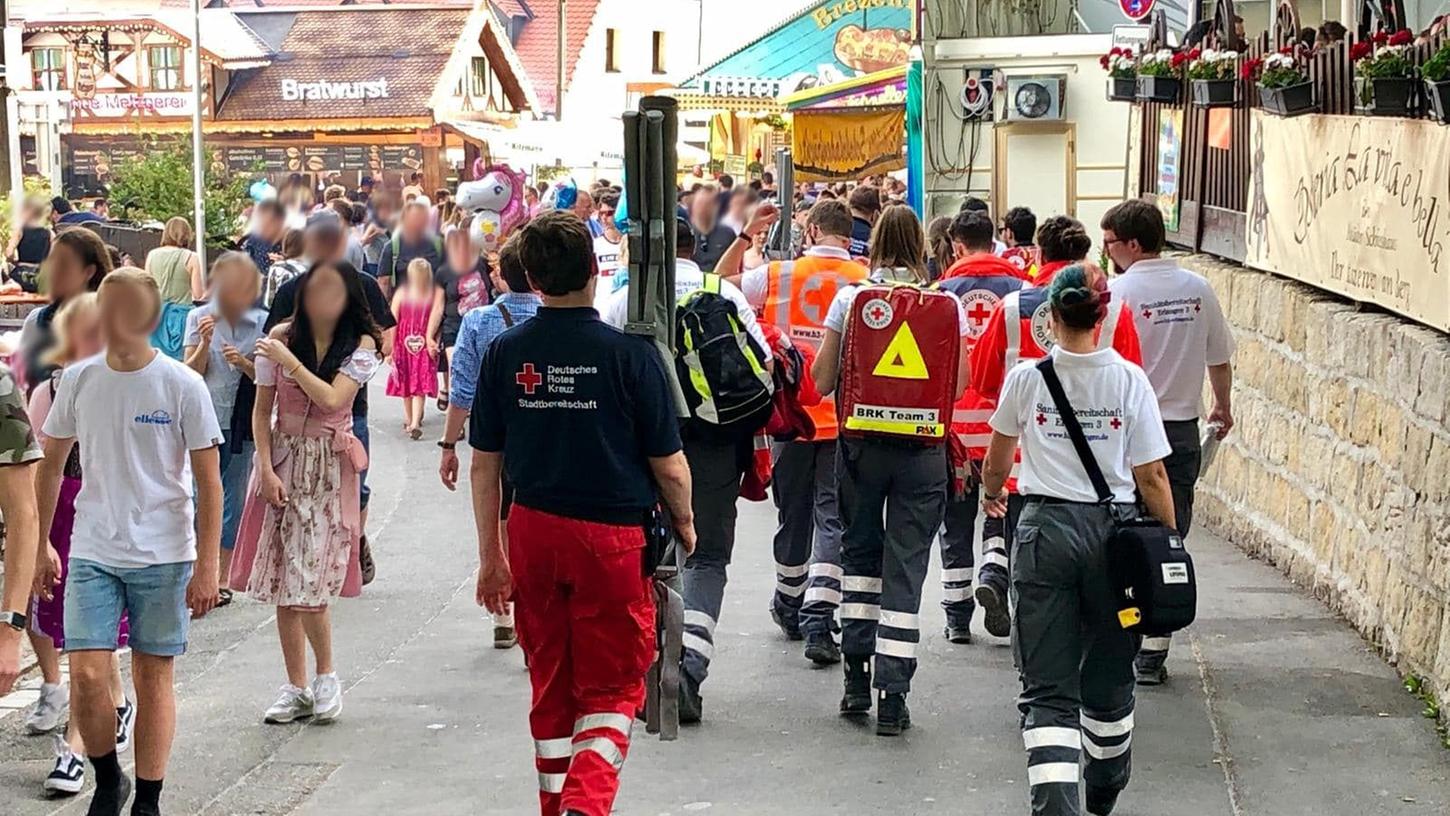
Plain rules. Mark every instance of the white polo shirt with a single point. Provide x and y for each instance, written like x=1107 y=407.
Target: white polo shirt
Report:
x=1115 y=404
x=1181 y=329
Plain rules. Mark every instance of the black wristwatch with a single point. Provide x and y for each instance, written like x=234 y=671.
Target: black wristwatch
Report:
x=14 y=620
x=447 y=445
x=748 y=238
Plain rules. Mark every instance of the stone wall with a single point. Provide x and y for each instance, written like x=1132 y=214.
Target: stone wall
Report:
x=1338 y=469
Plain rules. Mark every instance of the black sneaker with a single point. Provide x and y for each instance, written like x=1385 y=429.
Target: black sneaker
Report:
x=958 y=634
x=69 y=775
x=790 y=628
x=821 y=649
x=125 y=726
x=692 y=708
x=857 y=699
x=110 y=802
x=1100 y=801
x=1150 y=670
x=994 y=603
x=892 y=715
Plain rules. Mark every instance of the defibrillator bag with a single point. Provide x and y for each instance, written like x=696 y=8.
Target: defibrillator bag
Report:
x=899 y=363
x=720 y=367
x=1151 y=571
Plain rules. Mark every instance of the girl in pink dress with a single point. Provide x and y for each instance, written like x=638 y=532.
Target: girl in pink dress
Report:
x=415 y=351
x=297 y=546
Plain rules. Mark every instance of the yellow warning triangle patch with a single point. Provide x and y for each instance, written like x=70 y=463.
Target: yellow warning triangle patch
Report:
x=902 y=358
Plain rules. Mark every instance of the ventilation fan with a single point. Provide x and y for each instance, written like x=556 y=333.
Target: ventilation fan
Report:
x=1034 y=98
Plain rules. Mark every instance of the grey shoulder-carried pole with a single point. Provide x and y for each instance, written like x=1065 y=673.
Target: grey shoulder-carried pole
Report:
x=198 y=157
x=779 y=245
x=649 y=170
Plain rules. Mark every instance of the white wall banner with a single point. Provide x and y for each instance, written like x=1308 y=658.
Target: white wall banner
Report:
x=1355 y=205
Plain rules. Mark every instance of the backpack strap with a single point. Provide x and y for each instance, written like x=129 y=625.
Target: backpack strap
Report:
x=1074 y=430
x=503 y=311
x=711 y=284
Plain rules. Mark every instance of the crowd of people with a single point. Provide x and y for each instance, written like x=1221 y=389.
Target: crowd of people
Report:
x=245 y=428
x=861 y=497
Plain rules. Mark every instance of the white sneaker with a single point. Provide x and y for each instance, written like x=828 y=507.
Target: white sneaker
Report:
x=293 y=704
x=327 y=692
x=69 y=775
x=50 y=711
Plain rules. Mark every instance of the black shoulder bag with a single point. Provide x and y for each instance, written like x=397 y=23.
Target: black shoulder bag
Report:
x=1151 y=571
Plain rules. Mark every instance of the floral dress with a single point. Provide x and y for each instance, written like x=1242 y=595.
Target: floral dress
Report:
x=305 y=553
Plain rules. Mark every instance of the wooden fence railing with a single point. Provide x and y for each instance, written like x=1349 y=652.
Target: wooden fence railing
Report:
x=1216 y=158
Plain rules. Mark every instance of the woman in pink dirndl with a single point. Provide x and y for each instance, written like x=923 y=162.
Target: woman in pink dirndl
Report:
x=297 y=547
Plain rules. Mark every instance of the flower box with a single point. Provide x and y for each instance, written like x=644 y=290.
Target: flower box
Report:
x=1159 y=89
x=1122 y=89
x=1215 y=93
x=1438 y=94
x=1384 y=96
x=1290 y=100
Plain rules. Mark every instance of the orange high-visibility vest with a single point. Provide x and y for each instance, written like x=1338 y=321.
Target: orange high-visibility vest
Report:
x=797 y=295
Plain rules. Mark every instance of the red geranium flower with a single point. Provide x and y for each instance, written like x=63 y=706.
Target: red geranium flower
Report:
x=1402 y=37
x=1381 y=37
x=1178 y=59
x=1195 y=53
x=1115 y=52
x=1360 y=50
x=1250 y=68
x=1287 y=50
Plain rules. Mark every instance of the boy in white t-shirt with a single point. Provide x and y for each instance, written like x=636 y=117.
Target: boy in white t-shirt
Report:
x=145 y=424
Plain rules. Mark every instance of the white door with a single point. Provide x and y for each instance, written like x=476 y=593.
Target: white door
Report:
x=1034 y=169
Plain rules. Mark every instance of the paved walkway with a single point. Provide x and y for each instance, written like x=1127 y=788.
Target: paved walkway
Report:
x=1275 y=708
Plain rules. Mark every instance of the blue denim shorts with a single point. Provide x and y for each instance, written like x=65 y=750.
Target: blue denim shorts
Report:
x=154 y=597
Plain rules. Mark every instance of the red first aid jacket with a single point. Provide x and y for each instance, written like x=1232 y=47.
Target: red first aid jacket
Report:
x=1018 y=331
x=899 y=366
x=980 y=281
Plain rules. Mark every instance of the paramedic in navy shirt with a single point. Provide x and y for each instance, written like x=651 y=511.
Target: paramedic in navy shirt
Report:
x=582 y=417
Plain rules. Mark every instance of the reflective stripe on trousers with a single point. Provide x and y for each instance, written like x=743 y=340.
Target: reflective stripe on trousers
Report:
x=884 y=564
x=808 y=536
x=716 y=469
x=585 y=617
x=1075 y=660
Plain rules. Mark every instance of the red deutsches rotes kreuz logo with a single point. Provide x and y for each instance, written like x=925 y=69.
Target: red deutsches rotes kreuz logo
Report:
x=529 y=378
x=1116 y=423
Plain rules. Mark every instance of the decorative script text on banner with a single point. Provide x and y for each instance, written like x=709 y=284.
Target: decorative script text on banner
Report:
x=1357 y=206
x=836 y=146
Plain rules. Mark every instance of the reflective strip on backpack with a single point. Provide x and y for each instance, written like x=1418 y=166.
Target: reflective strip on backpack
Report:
x=784 y=286
x=1012 y=319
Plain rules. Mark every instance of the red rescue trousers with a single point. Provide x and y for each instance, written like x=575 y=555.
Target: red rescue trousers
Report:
x=585 y=615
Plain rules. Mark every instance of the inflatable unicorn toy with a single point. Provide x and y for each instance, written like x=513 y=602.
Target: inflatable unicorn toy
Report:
x=496 y=201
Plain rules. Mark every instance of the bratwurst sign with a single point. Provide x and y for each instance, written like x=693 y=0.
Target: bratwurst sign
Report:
x=1357 y=206
x=293 y=90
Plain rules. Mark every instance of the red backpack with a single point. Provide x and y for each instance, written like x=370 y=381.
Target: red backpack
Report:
x=899 y=366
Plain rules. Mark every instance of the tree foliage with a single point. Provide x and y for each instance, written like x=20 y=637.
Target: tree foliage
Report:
x=156 y=186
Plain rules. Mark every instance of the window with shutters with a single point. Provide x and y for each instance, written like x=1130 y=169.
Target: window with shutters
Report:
x=48 y=69
x=164 y=63
x=480 y=79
